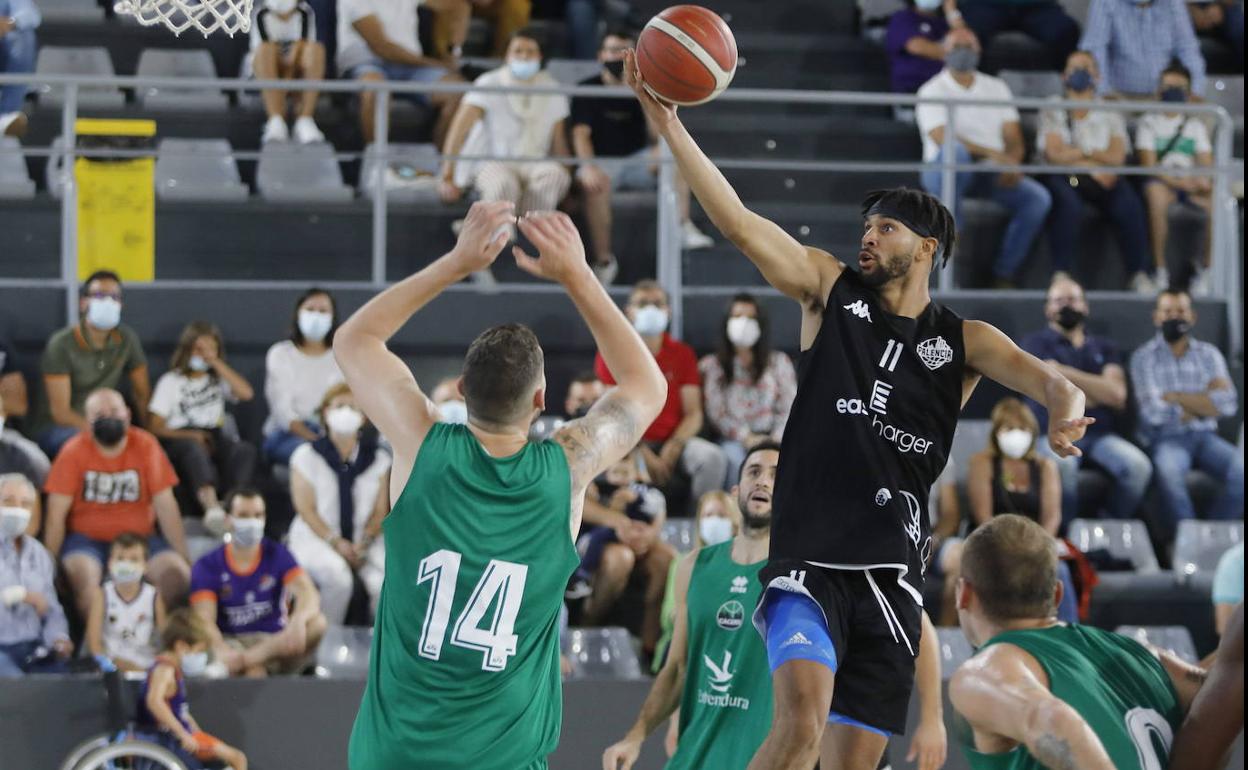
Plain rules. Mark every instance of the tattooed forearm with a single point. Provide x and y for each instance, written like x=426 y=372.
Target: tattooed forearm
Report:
x=1054 y=752
x=607 y=433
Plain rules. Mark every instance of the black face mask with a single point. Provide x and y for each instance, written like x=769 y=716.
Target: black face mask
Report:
x=1069 y=318
x=109 y=431
x=1174 y=329
x=616 y=68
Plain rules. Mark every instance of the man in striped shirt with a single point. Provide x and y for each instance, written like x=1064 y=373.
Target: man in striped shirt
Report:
x=1182 y=387
x=1134 y=40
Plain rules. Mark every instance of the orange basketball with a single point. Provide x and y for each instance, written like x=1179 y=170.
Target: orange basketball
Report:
x=687 y=55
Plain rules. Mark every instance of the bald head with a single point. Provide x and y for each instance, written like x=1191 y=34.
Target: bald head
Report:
x=961 y=36
x=17 y=491
x=106 y=402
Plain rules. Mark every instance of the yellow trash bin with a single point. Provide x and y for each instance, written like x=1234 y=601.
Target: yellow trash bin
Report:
x=116 y=199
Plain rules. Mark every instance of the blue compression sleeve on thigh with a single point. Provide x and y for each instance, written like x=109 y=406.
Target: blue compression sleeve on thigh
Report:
x=796 y=630
x=840 y=719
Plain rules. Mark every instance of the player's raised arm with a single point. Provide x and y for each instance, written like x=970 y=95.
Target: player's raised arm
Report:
x=994 y=355
x=381 y=382
x=1002 y=697
x=1217 y=714
x=799 y=272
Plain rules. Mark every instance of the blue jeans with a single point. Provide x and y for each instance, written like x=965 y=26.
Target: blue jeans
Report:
x=1127 y=466
x=1028 y=203
x=1120 y=203
x=582 y=18
x=1175 y=455
x=279 y=445
x=15 y=660
x=1042 y=20
x=17 y=54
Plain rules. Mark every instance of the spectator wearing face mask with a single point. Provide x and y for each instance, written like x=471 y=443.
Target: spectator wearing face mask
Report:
x=1134 y=41
x=1172 y=141
x=96 y=353
x=34 y=635
x=1219 y=19
x=296 y=373
x=1182 y=387
x=126 y=614
x=1044 y=21
x=284 y=47
x=583 y=393
x=671 y=443
x=340 y=487
x=1091 y=138
x=188 y=416
x=748 y=387
x=111 y=479
x=984 y=134
x=915 y=42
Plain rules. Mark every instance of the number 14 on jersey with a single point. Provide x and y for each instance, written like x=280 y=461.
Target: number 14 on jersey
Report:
x=501 y=587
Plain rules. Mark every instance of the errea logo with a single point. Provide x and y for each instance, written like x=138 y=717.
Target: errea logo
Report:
x=739 y=584
x=860 y=309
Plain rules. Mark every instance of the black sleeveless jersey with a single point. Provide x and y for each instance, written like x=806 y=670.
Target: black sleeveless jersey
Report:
x=878 y=398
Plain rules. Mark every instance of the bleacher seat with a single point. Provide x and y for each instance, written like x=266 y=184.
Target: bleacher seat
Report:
x=411 y=172
x=1228 y=92
x=1176 y=639
x=1199 y=544
x=602 y=653
x=198 y=545
x=1122 y=539
x=681 y=534
x=300 y=173
x=15 y=181
x=198 y=170
x=84 y=60
x=343 y=652
x=971 y=436
x=1035 y=85
x=955 y=649
x=572 y=71
x=179 y=63
x=544 y=427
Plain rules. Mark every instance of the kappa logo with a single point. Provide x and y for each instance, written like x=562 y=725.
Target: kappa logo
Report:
x=721 y=675
x=798 y=638
x=934 y=352
x=739 y=584
x=860 y=309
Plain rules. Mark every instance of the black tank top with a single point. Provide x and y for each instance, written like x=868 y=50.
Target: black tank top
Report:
x=878 y=398
x=1025 y=503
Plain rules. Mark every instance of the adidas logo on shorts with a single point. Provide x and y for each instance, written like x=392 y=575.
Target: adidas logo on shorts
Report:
x=798 y=638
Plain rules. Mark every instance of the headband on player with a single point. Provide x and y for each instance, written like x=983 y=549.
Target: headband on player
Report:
x=916 y=210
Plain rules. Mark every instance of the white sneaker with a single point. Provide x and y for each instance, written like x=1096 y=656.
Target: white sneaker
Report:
x=1161 y=278
x=693 y=238
x=1202 y=284
x=275 y=130
x=1140 y=283
x=606 y=272
x=214 y=521
x=306 y=131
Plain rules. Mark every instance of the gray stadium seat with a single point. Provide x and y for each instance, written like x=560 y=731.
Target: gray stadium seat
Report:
x=179 y=63
x=1176 y=639
x=1228 y=91
x=1123 y=539
x=15 y=181
x=1199 y=544
x=602 y=653
x=1033 y=84
x=300 y=173
x=198 y=545
x=954 y=650
x=544 y=427
x=569 y=72
x=411 y=172
x=343 y=652
x=971 y=436
x=198 y=170
x=681 y=534
x=85 y=60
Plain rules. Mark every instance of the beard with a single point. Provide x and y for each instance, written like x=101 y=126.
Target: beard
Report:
x=751 y=520
x=886 y=269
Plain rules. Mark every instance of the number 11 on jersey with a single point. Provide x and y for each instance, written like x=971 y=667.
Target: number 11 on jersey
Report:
x=502 y=580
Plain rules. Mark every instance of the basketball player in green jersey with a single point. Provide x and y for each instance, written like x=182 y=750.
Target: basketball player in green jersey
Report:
x=464 y=668
x=1040 y=693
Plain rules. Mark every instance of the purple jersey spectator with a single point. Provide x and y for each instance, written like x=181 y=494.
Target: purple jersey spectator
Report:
x=247 y=602
x=907 y=70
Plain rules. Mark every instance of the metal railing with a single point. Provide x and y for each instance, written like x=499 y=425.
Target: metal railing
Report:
x=1224 y=228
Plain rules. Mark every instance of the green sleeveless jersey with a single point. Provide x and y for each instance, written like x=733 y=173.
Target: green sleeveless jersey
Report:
x=464 y=669
x=725 y=710
x=1115 y=684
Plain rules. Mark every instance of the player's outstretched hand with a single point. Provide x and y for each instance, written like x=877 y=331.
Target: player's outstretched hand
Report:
x=929 y=745
x=658 y=111
x=560 y=251
x=486 y=230
x=1064 y=433
x=622 y=755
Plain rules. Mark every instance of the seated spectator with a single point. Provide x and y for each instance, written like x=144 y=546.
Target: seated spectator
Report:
x=18 y=21
x=284 y=47
x=1095 y=365
x=126 y=614
x=1009 y=476
x=451 y=19
x=1174 y=141
x=296 y=373
x=34 y=635
x=340 y=487
x=617 y=129
x=447 y=397
x=583 y=393
x=164 y=713
x=671 y=443
x=188 y=416
x=984 y=134
x=1228 y=586
x=748 y=387
x=244 y=592
x=13 y=399
x=19 y=454
x=1220 y=19
x=1134 y=42
x=1044 y=21
x=1181 y=388
x=110 y=479
x=914 y=42
x=380 y=40
x=84 y=358
x=627 y=541
x=1091 y=138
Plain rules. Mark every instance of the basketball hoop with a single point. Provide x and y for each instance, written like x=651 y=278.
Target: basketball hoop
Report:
x=207 y=16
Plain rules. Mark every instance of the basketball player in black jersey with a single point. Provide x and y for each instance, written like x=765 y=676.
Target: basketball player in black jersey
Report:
x=882 y=377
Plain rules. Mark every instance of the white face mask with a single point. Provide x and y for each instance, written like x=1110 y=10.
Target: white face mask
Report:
x=1015 y=443
x=524 y=69
x=343 y=421
x=248 y=532
x=314 y=325
x=104 y=313
x=195 y=663
x=743 y=332
x=198 y=364
x=650 y=321
x=126 y=571
x=13 y=521
x=454 y=412
x=715 y=530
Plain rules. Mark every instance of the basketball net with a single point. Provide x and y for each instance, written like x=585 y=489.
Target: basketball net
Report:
x=207 y=16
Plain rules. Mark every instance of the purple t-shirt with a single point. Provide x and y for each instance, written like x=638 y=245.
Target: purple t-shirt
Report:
x=248 y=602
x=910 y=71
